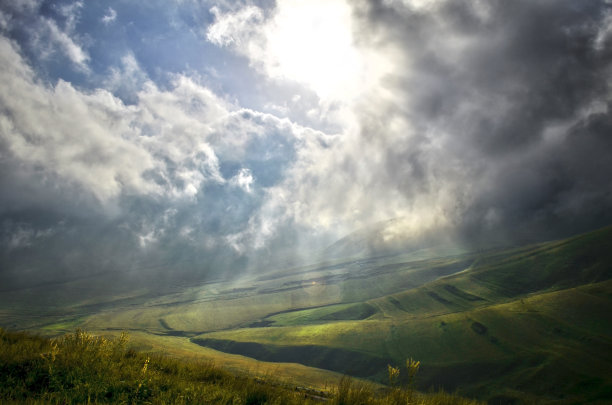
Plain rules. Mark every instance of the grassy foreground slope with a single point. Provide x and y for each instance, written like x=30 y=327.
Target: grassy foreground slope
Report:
x=526 y=324
x=81 y=368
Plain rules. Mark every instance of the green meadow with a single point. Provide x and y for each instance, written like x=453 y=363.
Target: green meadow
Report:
x=82 y=368
x=529 y=324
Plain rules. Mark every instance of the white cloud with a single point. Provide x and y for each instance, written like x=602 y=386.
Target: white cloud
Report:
x=110 y=16
x=46 y=35
x=244 y=180
x=146 y=239
x=166 y=146
x=127 y=79
x=310 y=43
x=238 y=29
x=5 y=21
x=64 y=38
x=72 y=14
x=66 y=44
x=96 y=142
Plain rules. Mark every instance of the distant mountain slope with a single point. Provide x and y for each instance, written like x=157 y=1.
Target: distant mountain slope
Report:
x=391 y=237
x=531 y=323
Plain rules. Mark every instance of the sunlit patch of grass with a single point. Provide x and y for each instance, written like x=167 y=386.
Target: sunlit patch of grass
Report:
x=63 y=326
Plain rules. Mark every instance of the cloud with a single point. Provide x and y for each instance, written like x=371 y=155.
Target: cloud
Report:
x=309 y=43
x=486 y=120
x=18 y=235
x=236 y=29
x=482 y=110
x=65 y=39
x=45 y=34
x=109 y=17
x=81 y=138
x=470 y=125
x=173 y=174
x=243 y=179
x=127 y=79
x=66 y=44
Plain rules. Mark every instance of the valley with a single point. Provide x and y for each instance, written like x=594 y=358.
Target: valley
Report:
x=524 y=324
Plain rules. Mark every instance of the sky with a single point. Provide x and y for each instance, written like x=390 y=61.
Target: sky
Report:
x=206 y=138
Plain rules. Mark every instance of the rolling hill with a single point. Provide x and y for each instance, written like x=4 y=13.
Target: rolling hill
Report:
x=529 y=323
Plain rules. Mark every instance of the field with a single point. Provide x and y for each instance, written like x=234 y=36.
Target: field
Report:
x=82 y=368
x=517 y=325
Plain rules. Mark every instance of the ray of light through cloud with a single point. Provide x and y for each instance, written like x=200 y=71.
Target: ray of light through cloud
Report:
x=214 y=137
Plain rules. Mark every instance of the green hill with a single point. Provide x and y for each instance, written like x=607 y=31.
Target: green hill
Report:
x=539 y=313
x=527 y=324
x=82 y=368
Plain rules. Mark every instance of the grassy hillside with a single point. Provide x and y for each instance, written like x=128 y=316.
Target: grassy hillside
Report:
x=561 y=337
x=506 y=325
x=82 y=368
x=514 y=316
x=225 y=305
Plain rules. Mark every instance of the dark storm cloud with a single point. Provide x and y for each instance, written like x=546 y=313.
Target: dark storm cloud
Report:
x=509 y=101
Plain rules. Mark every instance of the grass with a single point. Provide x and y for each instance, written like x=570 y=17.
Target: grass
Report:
x=561 y=337
x=217 y=306
x=64 y=325
x=539 y=312
x=486 y=324
x=338 y=312
x=82 y=368
x=182 y=348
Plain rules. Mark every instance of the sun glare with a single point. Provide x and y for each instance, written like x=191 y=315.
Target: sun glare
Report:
x=311 y=42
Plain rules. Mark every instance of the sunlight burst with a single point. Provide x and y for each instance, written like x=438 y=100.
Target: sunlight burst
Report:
x=312 y=43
